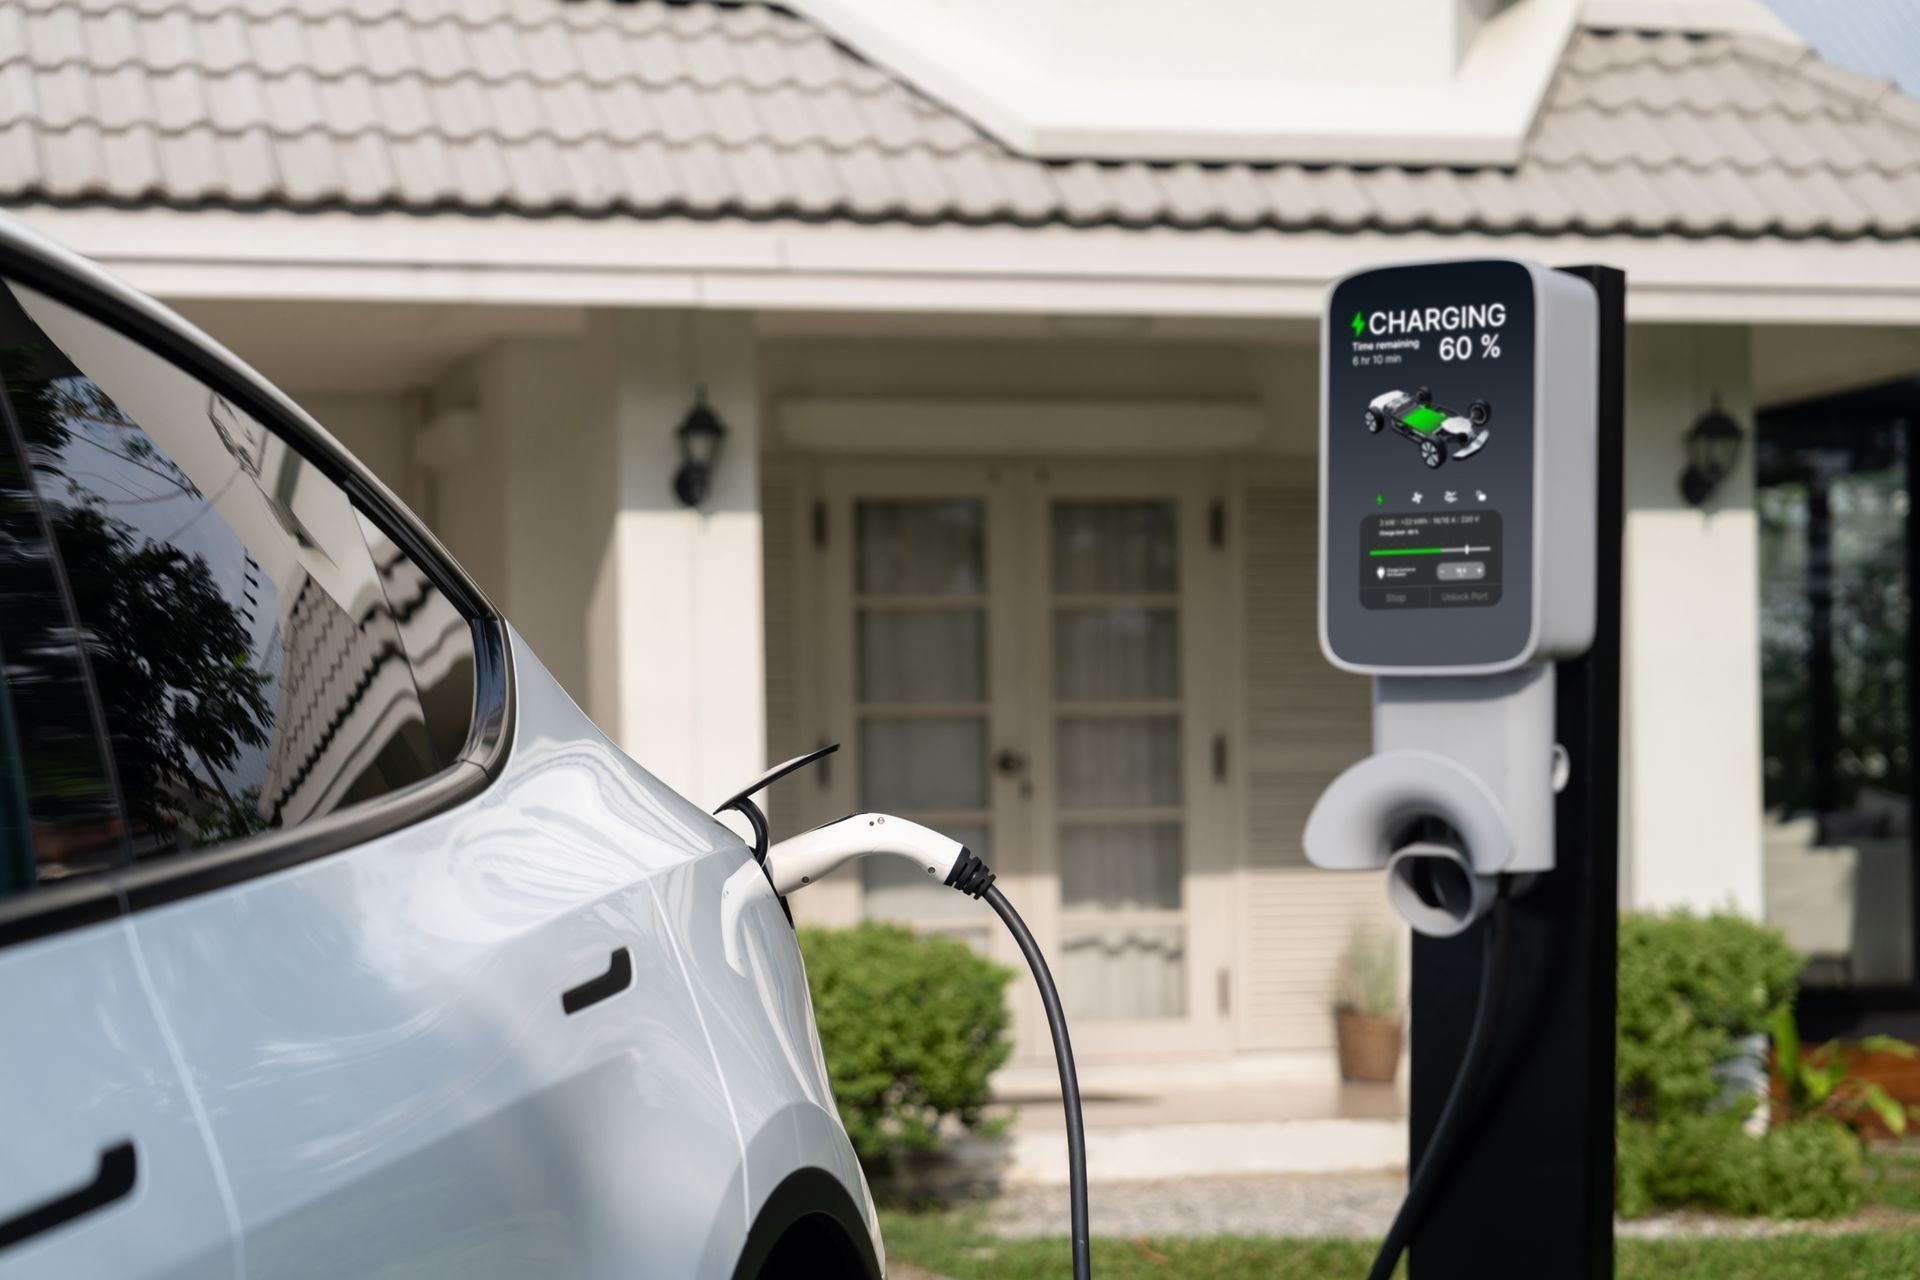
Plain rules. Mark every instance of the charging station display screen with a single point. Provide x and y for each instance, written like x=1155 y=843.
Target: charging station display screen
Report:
x=1428 y=516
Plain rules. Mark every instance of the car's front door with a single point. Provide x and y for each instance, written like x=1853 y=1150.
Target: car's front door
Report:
x=104 y=1166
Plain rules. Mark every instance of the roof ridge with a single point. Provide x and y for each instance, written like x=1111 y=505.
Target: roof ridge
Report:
x=1866 y=91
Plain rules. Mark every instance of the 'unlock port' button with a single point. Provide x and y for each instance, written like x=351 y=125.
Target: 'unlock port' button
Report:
x=1461 y=570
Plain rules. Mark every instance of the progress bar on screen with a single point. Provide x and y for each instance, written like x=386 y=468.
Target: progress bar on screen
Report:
x=1427 y=551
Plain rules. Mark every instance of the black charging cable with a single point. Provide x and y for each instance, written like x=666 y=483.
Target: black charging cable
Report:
x=971 y=877
x=1443 y=1148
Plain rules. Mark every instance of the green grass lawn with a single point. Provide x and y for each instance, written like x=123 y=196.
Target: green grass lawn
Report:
x=948 y=1244
x=1893 y=1178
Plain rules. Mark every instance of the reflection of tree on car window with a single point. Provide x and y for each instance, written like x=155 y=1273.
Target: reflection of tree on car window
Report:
x=170 y=655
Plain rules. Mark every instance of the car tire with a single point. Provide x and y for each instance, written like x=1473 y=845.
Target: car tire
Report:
x=1375 y=421
x=1432 y=454
x=1478 y=412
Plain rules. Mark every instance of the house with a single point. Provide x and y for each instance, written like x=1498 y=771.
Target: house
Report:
x=1011 y=326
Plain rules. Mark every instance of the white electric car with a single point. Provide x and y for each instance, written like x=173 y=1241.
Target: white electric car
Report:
x=334 y=940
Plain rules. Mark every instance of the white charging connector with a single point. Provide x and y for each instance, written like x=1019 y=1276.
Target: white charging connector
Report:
x=802 y=859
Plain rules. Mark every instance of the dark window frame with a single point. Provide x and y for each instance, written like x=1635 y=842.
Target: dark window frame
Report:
x=73 y=904
x=1887 y=1009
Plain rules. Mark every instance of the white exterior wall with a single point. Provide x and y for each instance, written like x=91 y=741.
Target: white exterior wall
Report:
x=548 y=472
x=1690 y=769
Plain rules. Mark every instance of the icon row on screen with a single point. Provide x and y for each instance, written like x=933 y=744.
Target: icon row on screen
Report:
x=1448 y=496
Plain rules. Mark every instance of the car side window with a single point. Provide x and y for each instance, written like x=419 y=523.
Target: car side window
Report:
x=437 y=639
x=249 y=670
x=58 y=813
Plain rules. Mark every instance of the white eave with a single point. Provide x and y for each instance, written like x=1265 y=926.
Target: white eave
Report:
x=795 y=267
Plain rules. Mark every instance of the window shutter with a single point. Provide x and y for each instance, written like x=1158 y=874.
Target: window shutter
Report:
x=1306 y=722
x=784 y=543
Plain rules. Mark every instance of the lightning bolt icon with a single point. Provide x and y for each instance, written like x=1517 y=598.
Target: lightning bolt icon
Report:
x=1359 y=323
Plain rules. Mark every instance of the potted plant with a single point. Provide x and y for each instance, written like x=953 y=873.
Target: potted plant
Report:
x=1366 y=1014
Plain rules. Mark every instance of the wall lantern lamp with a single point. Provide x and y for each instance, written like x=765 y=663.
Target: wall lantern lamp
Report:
x=1713 y=444
x=701 y=434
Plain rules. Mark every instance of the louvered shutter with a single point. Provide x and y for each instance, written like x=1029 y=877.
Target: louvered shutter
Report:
x=1306 y=722
x=782 y=512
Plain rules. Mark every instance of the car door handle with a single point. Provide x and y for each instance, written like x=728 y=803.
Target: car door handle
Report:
x=113 y=1179
x=617 y=978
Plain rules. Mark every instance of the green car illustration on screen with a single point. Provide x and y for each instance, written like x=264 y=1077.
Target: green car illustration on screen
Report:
x=1440 y=432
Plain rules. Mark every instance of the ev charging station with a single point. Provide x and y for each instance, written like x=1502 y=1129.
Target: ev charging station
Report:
x=1470 y=526
x=1471 y=440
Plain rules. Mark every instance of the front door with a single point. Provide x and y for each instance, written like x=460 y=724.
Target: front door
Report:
x=1020 y=659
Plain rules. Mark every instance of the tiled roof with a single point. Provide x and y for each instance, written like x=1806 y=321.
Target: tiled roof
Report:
x=714 y=111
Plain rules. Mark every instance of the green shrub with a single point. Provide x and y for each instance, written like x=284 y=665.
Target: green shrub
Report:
x=911 y=1028
x=1694 y=991
x=1808 y=1169
x=1691 y=988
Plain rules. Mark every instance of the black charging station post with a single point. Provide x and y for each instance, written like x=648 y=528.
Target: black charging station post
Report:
x=1532 y=1193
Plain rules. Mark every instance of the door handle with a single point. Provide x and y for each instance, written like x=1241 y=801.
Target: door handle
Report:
x=1010 y=763
x=113 y=1179
x=617 y=978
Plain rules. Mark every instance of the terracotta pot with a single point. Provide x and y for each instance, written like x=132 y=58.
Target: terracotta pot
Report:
x=1369 y=1046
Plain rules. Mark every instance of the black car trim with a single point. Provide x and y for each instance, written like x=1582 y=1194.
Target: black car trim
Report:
x=58 y=905
x=490 y=736
x=803 y=1194
x=55 y=908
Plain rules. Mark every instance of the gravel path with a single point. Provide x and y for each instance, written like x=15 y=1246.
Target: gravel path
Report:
x=1349 y=1205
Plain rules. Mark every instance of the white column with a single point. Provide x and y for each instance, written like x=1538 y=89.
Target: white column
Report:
x=543 y=407
x=678 y=608
x=1690 y=781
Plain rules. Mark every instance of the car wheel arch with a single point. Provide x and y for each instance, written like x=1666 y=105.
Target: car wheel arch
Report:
x=809 y=1214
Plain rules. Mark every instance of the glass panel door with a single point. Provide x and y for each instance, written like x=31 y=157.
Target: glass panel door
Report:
x=921 y=708
x=1119 y=813
x=1836 y=700
x=1013 y=658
